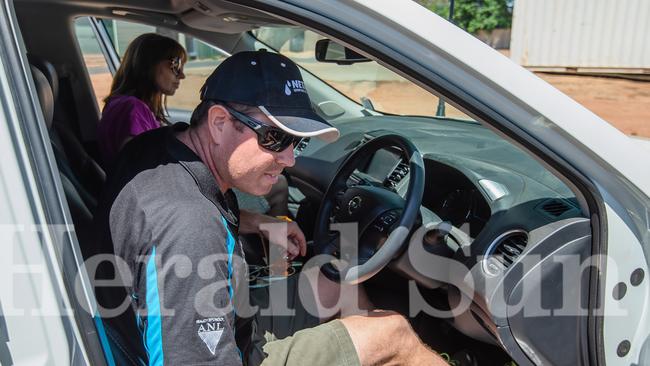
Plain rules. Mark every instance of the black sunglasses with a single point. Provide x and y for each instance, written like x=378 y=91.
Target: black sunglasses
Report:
x=269 y=137
x=176 y=66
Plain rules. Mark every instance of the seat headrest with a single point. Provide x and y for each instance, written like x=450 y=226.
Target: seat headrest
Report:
x=48 y=70
x=45 y=95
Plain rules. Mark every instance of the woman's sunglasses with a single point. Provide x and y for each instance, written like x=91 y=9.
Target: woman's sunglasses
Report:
x=176 y=66
x=269 y=137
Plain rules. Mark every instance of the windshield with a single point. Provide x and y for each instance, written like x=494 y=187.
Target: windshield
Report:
x=366 y=83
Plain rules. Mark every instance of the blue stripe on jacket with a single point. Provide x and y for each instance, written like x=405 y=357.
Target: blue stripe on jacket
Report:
x=153 y=334
x=230 y=246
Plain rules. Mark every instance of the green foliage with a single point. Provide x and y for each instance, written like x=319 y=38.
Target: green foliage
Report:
x=440 y=7
x=474 y=15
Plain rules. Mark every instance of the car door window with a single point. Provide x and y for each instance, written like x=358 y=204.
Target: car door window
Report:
x=96 y=65
x=362 y=82
x=202 y=58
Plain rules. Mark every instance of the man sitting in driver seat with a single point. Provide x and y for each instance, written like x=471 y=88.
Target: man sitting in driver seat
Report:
x=171 y=219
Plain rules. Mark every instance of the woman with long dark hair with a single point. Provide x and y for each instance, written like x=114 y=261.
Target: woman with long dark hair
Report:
x=151 y=70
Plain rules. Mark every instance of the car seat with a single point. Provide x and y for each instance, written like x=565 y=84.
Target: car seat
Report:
x=88 y=175
x=115 y=351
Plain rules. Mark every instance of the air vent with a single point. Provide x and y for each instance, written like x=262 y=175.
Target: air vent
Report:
x=556 y=207
x=504 y=251
x=397 y=175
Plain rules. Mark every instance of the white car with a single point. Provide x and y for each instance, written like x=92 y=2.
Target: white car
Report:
x=547 y=206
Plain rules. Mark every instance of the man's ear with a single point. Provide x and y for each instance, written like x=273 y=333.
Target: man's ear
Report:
x=217 y=118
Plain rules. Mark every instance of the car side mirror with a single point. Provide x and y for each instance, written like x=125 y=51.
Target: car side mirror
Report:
x=329 y=51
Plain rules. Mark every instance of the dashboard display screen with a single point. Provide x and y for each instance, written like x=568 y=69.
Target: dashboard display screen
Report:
x=382 y=164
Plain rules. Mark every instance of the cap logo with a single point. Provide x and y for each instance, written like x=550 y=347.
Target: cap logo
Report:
x=294 y=86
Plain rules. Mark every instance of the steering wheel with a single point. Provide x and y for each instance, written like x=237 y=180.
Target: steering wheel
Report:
x=384 y=218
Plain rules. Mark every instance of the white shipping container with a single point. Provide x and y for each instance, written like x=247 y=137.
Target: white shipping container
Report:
x=611 y=36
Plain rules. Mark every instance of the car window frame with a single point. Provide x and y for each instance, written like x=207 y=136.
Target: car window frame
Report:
x=571 y=171
x=105 y=44
x=537 y=147
x=583 y=169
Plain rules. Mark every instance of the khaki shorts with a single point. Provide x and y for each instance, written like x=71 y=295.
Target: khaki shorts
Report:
x=326 y=344
x=300 y=339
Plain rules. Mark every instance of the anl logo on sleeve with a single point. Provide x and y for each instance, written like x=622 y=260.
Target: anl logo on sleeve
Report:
x=294 y=86
x=210 y=331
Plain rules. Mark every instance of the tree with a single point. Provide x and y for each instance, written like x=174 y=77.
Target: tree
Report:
x=474 y=15
x=440 y=7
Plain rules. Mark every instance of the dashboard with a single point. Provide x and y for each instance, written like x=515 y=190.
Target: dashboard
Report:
x=448 y=193
x=504 y=204
x=472 y=174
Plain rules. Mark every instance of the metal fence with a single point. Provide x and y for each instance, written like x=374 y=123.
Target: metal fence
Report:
x=610 y=36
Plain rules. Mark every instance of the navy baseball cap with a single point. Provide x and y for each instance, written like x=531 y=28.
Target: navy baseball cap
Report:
x=272 y=83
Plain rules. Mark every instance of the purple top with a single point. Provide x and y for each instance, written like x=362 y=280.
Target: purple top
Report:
x=123 y=116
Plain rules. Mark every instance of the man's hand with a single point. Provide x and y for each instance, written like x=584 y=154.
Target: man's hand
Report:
x=295 y=243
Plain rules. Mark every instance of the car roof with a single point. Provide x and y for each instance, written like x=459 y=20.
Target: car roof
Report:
x=209 y=15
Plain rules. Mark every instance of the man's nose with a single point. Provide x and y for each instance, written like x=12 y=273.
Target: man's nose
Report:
x=285 y=157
